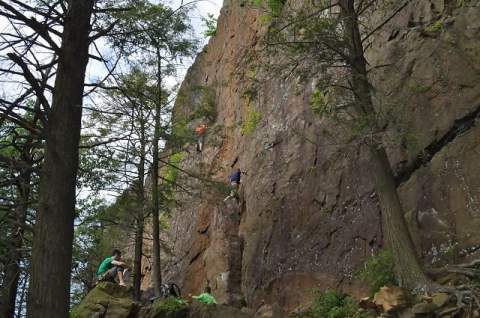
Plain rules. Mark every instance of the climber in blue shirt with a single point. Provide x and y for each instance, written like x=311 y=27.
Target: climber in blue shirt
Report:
x=234 y=179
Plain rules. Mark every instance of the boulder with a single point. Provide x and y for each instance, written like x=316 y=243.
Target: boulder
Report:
x=424 y=309
x=168 y=308
x=440 y=299
x=266 y=311
x=106 y=300
x=199 y=310
x=391 y=298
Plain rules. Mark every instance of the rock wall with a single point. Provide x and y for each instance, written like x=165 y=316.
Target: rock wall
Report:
x=307 y=215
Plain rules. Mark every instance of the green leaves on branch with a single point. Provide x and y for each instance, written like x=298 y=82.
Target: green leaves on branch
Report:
x=211 y=24
x=148 y=27
x=378 y=271
x=322 y=102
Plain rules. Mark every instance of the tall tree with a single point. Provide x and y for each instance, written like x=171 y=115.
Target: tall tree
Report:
x=17 y=151
x=136 y=90
x=56 y=35
x=52 y=246
x=333 y=35
x=162 y=35
x=408 y=270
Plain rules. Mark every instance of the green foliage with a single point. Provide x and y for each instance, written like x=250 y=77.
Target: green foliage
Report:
x=250 y=93
x=332 y=304
x=321 y=103
x=169 y=305
x=169 y=175
x=164 y=221
x=378 y=271
x=181 y=133
x=207 y=108
x=434 y=27
x=252 y=119
x=211 y=25
x=171 y=172
x=99 y=229
x=274 y=6
x=154 y=25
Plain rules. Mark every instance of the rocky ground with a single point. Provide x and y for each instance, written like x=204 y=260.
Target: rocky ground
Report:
x=109 y=300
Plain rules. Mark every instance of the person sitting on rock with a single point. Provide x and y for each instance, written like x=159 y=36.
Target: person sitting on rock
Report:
x=206 y=297
x=111 y=268
x=200 y=132
x=234 y=179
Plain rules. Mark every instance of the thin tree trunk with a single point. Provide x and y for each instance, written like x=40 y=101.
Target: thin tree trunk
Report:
x=407 y=268
x=157 y=273
x=53 y=235
x=8 y=294
x=137 y=262
x=137 y=276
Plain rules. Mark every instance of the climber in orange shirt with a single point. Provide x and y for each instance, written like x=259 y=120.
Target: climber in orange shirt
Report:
x=200 y=132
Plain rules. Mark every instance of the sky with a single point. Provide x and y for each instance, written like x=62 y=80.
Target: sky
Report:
x=96 y=70
x=202 y=10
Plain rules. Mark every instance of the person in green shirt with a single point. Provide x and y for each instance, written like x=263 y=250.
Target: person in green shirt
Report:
x=206 y=297
x=111 y=268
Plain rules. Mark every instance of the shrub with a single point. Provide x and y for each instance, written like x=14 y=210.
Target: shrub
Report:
x=171 y=172
x=321 y=103
x=169 y=305
x=378 y=271
x=170 y=175
x=276 y=6
x=252 y=119
x=332 y=304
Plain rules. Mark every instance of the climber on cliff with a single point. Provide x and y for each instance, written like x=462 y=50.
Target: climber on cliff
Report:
x=200 y=132
x=234 y=179
x=112 y=267
x=206 y=297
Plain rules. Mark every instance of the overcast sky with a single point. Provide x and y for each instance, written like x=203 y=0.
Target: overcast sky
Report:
x=96 y=71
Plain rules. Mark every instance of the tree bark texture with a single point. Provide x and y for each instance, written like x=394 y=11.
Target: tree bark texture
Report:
x=157 y=274
x=141 y=198
x=137 y=262
x=49 y=291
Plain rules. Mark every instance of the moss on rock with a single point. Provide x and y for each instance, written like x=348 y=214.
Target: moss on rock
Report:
x=106 y=300
x=169 y=308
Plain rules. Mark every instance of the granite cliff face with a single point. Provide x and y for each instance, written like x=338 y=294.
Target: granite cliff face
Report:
x=308 y=215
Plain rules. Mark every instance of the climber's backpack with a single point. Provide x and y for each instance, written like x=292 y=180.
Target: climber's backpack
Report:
x=170 y=290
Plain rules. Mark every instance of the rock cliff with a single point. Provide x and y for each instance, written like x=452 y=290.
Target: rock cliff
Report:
x=307 y=215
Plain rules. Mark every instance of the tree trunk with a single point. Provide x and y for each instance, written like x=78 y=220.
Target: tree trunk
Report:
x=137 y=262
x=53 y=235
x=407 y=268
x=137 y=276
x=157 y=273
x=8 y=294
